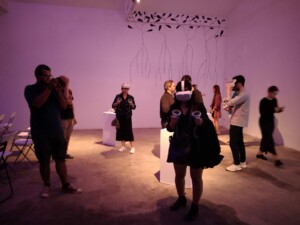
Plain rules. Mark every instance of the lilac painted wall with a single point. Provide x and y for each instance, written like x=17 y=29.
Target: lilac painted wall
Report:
x=97 y=50
x=262 y=43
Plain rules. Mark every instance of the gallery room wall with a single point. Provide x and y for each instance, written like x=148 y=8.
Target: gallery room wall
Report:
x=263 y=44
x=98 y=51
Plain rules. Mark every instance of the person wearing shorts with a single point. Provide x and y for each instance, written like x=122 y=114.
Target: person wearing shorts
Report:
x=45 y=100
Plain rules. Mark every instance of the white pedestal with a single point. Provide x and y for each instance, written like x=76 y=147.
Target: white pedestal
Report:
x=109 y=131
x=167 y=173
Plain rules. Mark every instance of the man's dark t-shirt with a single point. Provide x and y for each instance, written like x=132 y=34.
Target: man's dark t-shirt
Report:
x=46 y=120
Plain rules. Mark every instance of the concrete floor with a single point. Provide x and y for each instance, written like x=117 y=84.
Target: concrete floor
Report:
x=119 y=188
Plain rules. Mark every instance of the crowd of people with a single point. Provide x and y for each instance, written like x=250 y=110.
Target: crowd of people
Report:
x=194 y=141
x=195 y=144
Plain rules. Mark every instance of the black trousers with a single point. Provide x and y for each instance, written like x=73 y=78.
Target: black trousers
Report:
x=237 y=144
x=267 y=143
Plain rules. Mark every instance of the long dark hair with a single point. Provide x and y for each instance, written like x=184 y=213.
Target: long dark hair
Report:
x=216 y=89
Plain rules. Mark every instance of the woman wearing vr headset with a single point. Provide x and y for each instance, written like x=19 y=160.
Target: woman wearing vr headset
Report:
x=194 y=143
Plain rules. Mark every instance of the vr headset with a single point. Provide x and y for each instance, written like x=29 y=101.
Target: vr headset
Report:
x=183 y=96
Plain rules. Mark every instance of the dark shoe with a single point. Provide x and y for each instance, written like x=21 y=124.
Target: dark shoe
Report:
x=192 y=213
x=278 y=163
x=261 y=156
x=69 y=188
x=180 y=202
x=68 y=156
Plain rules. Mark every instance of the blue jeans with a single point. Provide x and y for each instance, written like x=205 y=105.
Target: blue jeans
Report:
x=237 y=145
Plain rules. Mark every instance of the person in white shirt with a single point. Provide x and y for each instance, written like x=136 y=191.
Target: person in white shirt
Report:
x=238 y=120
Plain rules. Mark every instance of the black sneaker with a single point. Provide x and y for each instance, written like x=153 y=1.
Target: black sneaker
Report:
x=68 y=156
x=192 y=213
x=278 y=163
x=180 y=202
x=261 y=156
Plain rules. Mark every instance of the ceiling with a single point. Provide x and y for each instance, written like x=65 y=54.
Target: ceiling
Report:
x=218 y=8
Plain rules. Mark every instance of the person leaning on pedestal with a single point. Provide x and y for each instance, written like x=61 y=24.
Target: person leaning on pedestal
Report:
x=166 y=100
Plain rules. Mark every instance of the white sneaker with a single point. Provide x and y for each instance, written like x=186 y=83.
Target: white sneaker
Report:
x=122 y=149
x=45 y=193
x=132 y=150
x=243 y=165
x=233 y=168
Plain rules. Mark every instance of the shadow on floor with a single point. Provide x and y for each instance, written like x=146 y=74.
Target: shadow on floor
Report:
x=156 y=151
x=257 y=172
x=209 y=213
x=76 y=214
x=113 y=154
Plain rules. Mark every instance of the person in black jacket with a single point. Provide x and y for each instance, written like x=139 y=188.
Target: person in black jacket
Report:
x=123 y=105
x=194 y=143
x=166 y=100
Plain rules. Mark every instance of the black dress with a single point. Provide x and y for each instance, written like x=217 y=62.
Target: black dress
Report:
x=266 y=123
x=204 y=147
x=124 y=114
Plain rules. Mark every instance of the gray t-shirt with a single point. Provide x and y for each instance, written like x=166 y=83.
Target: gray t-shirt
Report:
x=240 y=113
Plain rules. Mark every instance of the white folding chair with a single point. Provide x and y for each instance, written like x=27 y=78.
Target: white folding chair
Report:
x=5 y=126
x=23 y=143
x=9 y=137
x=4 y=139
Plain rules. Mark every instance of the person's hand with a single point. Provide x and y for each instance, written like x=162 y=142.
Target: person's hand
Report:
x=229 y=85
x=131 y=103
x=55 y=85
x=228 y=108
x=199 y=121
x=211 y=110
x=279 y=109
x=74 y=121
x=119 y=100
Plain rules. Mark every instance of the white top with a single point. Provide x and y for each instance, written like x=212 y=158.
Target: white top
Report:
x=240 y=113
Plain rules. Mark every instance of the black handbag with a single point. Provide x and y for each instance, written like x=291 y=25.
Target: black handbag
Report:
x=115 y=123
